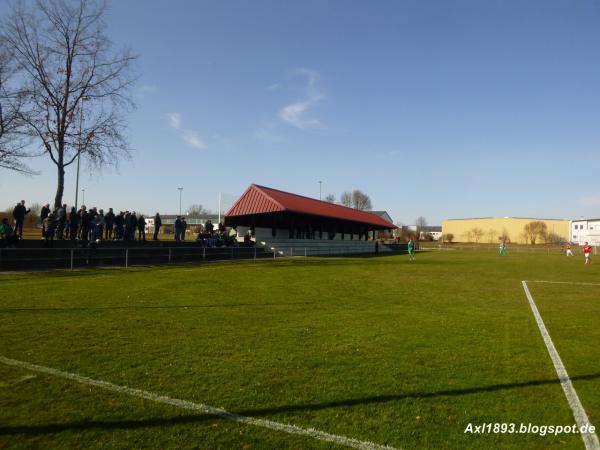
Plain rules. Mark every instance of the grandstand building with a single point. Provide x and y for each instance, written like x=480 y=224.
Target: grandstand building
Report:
x=510 y=229
x=284 y=220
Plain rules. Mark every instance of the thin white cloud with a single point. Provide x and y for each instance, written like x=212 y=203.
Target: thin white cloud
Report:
x=174 y=120
x=295 y=114
x=194 y=140
x=265 y=132
x=191 y=137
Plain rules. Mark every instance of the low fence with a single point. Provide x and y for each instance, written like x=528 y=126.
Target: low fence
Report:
x=550 y=250
x=77 y=258
x=80 y=258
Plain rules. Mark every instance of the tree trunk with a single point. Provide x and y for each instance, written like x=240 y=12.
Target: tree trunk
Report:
x=60 y=186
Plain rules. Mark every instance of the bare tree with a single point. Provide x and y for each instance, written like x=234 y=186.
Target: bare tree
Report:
x=492 y=235
x=330 y=198
x=361 y=201
x=67 y=60
x=421 y=224
x=13 y=136
x=346 y=199
x=448 y=237
x=468 y=235
x=535 y=230
x=553 y=238
x=477 y=234
x=505 y=237
x=196 y=210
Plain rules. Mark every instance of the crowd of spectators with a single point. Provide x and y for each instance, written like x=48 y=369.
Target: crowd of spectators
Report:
x=91 y=226
x=220 y=236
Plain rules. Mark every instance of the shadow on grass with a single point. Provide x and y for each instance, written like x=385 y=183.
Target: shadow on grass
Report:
x=108 y=308
x=32 y=430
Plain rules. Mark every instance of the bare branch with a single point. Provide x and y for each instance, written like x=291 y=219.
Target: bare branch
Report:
x=78 y=84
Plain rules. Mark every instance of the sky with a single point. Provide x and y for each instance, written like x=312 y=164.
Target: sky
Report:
x=442 y=109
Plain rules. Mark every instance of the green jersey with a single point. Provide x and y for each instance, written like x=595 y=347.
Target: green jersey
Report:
x=5 y=229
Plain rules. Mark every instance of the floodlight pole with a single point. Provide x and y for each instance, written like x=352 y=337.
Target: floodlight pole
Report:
x=320 y=182
x=180 y=192
x=219 y=207
x=83 y=99
x=83 y=196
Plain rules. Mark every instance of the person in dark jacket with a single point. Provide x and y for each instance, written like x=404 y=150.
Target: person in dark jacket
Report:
x=157 y=225
x=209 y=227
x=177 y=227
x=141 y=225
x=73 y=224
x=109 y=220
x=19 y=213
x=183 y=228
x=119 y=226
x=43 y=214
x=85 y=221
x=81 y=213
x=134 y=224
x=61 y=220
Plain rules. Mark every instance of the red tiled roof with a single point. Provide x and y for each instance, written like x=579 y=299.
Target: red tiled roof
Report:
x=262 y=200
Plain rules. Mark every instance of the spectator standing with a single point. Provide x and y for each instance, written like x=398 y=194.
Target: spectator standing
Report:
x=119 y=225
x=19 y=213
x=141 y=224
x=95 y=228
x=134 y=224
x=7 y=234
x=81 y=213
x=109 y=221
x=73 y=224
x=177 y=229
x=61 y=220
x=50 y=224
x=183 y=228
x=127 y=234
x=85 y=221
x=157 y=225
x=101 y=224
x=209 y=227
x=43 y=214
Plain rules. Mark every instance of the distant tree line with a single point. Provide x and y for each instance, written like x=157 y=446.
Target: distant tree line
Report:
x=352 y=199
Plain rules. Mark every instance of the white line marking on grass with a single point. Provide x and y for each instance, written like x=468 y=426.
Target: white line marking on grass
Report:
x=565 y=282
x=221 y=413
x=589 y=439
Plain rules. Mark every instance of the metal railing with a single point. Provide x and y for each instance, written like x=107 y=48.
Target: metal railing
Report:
x=80 y=258
x=77 y=258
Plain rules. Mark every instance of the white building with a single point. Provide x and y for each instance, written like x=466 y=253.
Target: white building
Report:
x=585 y=230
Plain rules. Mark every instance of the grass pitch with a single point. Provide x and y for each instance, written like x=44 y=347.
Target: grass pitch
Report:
x=386 y=350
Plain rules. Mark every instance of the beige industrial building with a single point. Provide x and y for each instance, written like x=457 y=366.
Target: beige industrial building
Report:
x=516 y=230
